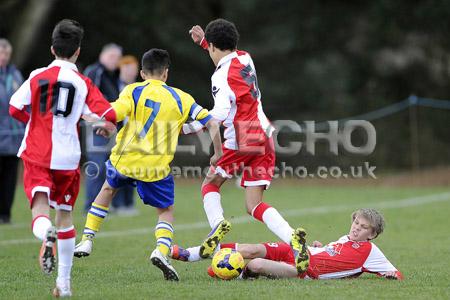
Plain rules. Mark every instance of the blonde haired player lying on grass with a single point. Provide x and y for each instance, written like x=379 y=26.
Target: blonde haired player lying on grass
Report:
x=349 y=256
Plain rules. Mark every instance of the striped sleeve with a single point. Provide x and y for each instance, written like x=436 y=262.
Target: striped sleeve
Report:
x=200 y=114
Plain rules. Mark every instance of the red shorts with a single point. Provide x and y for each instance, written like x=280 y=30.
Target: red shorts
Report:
x=61 y=186
x=279 y=252
x=256 y=168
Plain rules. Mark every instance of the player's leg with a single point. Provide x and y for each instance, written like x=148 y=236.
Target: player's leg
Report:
x=66 y=246
x=164 y=237
x=164 y=230
x=269 y=268
x=214 y=212
x=191 y=254
x=40 y=213
x=37 y=183
x=212 y=198
x=161 y=195
x=266 y=213
x=99 y=209
x=44 y=230
x=95 y=170
x=256 y=176
x=278 y=225
x=94 y=219
x=248 y=251
x=64 y=195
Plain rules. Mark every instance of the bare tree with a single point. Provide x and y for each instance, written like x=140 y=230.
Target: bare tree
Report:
x=29 y=23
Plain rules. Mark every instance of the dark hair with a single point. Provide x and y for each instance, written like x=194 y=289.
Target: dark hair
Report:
x=66 y=38
x=155 y=61
x=223 y=34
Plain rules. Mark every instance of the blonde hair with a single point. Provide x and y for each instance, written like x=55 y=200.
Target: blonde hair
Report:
x=375 y=219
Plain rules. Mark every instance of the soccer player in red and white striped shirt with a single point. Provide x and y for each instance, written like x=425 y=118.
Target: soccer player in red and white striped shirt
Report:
x=350 y=256
x=248 y=146
x=58 y=96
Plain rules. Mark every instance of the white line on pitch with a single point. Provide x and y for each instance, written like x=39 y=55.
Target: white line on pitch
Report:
x=386 y=204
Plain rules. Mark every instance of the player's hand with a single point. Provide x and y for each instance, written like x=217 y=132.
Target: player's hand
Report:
x=197 y=34
x=390 y=275
x=215 y=158
x=317 y=244
x=104 y=128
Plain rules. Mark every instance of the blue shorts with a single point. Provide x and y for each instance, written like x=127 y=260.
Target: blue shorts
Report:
x=157 y=193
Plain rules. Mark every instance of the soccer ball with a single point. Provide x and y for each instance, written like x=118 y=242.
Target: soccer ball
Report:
x=227 y=264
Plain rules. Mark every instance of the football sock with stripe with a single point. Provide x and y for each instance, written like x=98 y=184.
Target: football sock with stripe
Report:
x=66 y=247
x=164 y=236
x=273 y=220
x=39 y=225
x=212 y=205
x=94 y=220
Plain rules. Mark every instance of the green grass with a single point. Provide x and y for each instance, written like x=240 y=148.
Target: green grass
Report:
x=416 y=241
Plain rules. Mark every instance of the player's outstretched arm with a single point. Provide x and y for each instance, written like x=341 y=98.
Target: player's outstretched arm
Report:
x=20 y=115
x=192 y=127
x=198 y=36
x=378 y=264
x=214 y=132
x=395 y=275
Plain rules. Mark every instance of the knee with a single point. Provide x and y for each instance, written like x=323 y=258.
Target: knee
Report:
x=251 y=206
x=256 y=265
x=107 y=189
x=249 y=210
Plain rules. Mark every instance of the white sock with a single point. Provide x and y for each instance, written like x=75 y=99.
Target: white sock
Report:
x=66 y=247
x=40 y=226
x=277 y=224
x=213 y=208
x=194 y=253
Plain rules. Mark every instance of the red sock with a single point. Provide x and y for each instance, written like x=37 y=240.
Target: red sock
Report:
x=259 y=210
x=228 y=245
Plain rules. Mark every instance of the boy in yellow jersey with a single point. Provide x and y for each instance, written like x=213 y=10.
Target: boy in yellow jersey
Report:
x=144 y=148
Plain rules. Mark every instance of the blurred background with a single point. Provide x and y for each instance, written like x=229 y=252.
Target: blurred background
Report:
x=315 y=60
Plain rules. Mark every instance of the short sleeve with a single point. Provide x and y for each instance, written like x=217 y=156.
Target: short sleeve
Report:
x=22 y=97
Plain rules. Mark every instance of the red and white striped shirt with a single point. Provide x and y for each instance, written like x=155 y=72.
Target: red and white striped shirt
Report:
x=58 y=96
x=237 y=102
x=346 y=258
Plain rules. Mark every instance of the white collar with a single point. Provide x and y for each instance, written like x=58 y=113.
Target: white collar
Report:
x=63 y=64
x=227 y=58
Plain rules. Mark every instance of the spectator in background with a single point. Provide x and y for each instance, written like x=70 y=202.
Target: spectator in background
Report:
x=106 y=76
x=11 y=132
x=129 y=70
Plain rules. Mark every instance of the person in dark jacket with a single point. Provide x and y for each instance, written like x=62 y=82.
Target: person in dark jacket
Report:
x=11 y=132
x=105 y=75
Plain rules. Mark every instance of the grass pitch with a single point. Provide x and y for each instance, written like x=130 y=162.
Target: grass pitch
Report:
x=416 y=241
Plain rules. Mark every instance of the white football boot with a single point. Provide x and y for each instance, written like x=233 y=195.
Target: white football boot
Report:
x=84 y=248
x=164 y=265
